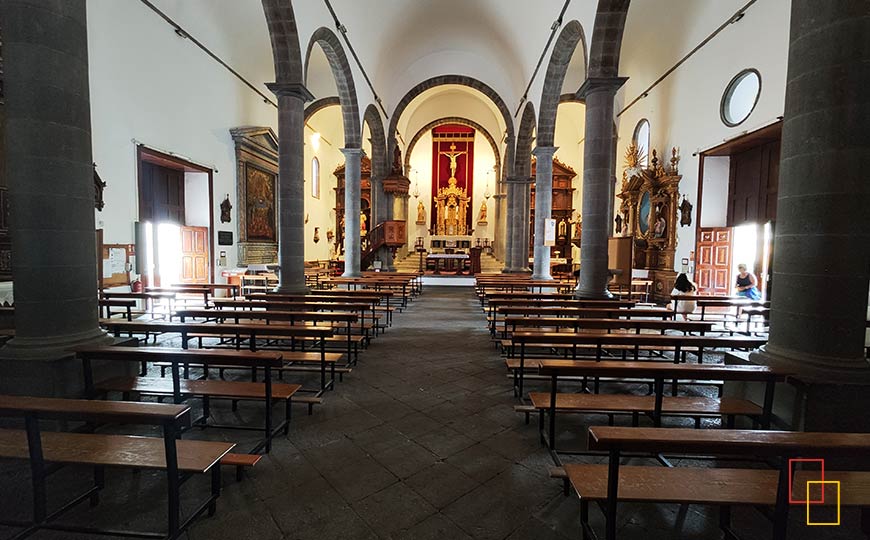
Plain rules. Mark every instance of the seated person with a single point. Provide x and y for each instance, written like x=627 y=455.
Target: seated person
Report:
x=683 y=286
x=747 y=284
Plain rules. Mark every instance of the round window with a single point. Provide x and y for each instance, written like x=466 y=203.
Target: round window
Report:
x=740 y=97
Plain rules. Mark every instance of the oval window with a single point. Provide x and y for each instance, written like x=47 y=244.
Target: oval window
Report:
x=740 y=97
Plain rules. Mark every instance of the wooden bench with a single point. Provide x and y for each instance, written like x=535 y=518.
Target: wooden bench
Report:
x=179 y=388
x=612 y=483
x=578 y=312
x=149 y=298
x=180 y=459
x=238 y=332
x=678 y=343
x=126 y=303
x=657 y=405
x=575 y=325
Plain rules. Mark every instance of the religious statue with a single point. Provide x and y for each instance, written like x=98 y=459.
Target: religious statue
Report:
x=226 y=208
x=481 y=218
x=316 y=234
x=362 y=224
x=330 y=235
x=618 y=221
x=453 y=155
x=563 y=229
x=421 y=213
x=685 y=213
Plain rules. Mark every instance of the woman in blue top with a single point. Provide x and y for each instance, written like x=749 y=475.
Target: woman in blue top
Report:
x=747 y=285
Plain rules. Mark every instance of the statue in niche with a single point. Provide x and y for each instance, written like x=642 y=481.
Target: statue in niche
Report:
x=226 y=208
x=685 y=213
x=421 y=213
x=362 y=224
x=660 y=225
x=316 y=234
x=481 y=218
x=618 y=221
x=563 y=229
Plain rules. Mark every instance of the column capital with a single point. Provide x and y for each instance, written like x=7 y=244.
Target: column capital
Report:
x=544 y=151
x=519 y=180
x=600 y=84
x=296 y=90
x=352 y=152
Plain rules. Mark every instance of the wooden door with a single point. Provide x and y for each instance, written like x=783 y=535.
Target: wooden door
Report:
x=194 y=255
x=713 y=261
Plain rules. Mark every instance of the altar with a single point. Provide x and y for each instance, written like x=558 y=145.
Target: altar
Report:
x=440 y=243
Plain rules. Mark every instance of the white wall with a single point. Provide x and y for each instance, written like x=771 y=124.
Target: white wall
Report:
x=321 y=212
x=684 y=109
x=146 y=83
x=714 y=196
x=569 y=138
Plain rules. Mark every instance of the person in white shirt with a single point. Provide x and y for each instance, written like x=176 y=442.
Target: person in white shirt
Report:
x=683 y=286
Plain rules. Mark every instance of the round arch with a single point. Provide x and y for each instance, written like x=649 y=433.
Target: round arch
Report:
x=453 y=120
x=284 y=37
x=462 y=80
x=525 y=136
x=606 y=42
x=319 y=105
x=328 y=41
x=569 y=38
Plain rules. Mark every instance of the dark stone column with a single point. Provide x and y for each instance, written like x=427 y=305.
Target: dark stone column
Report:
x=543 y=208
x=51 y=189
x=821 y=264
x=291 y=184
x=597 y=173
x=518 y=208
x=352 y=196
x=510 y=222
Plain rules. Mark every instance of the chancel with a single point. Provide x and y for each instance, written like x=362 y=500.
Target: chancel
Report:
x=459 y=269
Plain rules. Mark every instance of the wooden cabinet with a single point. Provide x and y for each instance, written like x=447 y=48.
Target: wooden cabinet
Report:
x=563 y=208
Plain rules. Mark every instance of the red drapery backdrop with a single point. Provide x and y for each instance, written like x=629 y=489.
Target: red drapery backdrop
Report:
x=442 y=139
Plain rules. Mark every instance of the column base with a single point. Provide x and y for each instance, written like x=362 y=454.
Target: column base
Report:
x=292 y=289
x=545 y=277
x=352 y=274
x=46 y=367
x=811 y=400
x=507 y=270
x=584 y=294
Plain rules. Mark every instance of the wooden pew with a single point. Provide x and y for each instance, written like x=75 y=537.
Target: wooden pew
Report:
x=658 y=404
x=293 y=317
x=231 y=288
x=251 y=332
x=576 y=312
x=127 y=303
x=495 y=303
x=724 y=487
x=678 y=343
x=178 y=458
x=149 y=298
x=207 y=390
x=372 y=299
x=361 y=283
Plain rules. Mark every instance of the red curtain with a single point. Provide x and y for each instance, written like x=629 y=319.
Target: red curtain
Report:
x=443 y=137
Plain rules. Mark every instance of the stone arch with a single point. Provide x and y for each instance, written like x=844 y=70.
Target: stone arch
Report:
x=569 y=38
x=462 y=80
x=607 y=38
x=379 y=157
x=340 y=67
x=453 y=120
x=284 y=37
x=319 y=105
x=525 y=136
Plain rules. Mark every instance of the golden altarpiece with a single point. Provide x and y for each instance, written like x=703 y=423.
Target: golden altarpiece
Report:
x=648 y=213
x=451 y=207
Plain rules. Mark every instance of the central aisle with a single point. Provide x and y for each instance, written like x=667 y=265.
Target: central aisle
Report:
x=420 y=441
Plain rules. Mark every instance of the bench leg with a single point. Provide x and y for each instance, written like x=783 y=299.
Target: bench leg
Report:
x=287 y=417
x=99 y=483
x=215 y=488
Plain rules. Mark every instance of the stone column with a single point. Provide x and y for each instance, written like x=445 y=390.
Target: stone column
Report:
x=51 y=188
x=597 y=197
x=821 y=263
x=543 y=208
x=524 y=227
x=352 y=195
x=291 y=184
x=510 y=223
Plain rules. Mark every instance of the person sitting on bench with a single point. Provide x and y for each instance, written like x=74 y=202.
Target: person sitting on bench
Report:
x=684 y=286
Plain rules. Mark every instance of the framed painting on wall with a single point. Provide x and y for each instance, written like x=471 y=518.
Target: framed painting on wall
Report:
x=260 y=205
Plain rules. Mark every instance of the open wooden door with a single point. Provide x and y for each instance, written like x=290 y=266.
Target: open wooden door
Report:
x=194 y=255
x=713 y=264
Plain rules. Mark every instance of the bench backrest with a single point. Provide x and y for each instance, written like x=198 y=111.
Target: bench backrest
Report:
x=619 y=369
x=644 y=324
x=760 y=443
x=272 y=315
x=216 y=329
x=82 y=410
x=183 y=356
x=565 y=338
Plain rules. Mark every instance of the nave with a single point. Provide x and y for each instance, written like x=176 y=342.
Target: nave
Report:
x=420 y=441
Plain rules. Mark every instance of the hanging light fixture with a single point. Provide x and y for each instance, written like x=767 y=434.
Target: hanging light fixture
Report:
x=486 y=193
x=416 y=192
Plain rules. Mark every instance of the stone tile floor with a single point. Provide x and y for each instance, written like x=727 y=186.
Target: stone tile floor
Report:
x=419 y=442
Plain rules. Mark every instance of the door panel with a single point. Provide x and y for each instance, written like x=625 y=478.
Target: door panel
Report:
x=713 y=263
x=194 y=255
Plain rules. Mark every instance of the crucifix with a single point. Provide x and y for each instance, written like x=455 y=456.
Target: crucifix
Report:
x=453 y=155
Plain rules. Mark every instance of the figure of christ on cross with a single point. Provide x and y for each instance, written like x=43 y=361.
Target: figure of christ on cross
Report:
x=453 y=155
